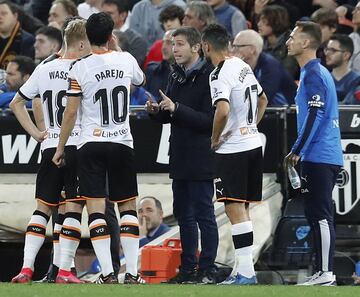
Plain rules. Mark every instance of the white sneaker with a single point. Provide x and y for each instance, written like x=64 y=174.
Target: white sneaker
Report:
x=321 y=278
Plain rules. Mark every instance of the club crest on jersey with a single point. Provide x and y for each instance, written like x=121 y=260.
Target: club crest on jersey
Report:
x=346 y=193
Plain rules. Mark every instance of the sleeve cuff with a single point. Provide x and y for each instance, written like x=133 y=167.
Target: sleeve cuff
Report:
x=22 y=95
x=221 y=99
x=74 y=94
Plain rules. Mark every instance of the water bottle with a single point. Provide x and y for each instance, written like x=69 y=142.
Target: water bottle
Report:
x=294 y=177
x=357 y=268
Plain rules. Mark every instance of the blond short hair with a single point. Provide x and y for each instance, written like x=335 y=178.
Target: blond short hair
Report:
x=75 y=31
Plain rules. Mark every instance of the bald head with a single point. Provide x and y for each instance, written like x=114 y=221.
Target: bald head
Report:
x=250 y=37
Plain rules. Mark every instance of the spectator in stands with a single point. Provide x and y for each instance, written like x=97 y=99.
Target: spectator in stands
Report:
x=157 y=73
x=40 y=9
x=291 y=6
x=355 y=36
x=28 y=22
x=345 y=25
x=13 y=40
x=170 y=18
x=59 y=11
x=145 y=18
x=17 y=73
x=338 y=53
x=151 y=224
x=187 y=107
x=328 y=20
x=198 y=15
x=275 y=80
x=229 y=16
x=274 y=27
x=131 y=41
x=48 y=41
x=89 y=7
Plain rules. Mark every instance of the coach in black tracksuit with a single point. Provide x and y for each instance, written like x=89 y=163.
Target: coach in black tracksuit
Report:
x=187 y=107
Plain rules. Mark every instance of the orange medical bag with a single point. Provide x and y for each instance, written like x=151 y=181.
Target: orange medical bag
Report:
x=160 y=263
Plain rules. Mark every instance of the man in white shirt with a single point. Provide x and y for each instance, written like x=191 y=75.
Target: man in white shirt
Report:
x=240 y=104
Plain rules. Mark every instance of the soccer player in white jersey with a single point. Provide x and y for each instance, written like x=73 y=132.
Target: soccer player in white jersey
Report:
x=49 y=80
x=100 y=86
x=240 y=104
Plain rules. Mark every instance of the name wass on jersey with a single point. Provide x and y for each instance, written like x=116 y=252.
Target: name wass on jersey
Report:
x=233 y=80
x=103 y=80
x=50 y=81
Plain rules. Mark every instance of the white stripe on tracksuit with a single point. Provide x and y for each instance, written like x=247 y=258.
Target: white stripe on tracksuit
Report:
x=325 y=244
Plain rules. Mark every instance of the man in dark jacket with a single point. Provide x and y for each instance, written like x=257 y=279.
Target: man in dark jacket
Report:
x=187 y=107
x=13 y=40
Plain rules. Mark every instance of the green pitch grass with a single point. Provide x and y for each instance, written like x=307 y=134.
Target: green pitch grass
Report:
x=91 y=290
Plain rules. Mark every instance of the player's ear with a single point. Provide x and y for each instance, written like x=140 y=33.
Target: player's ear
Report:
x=306 y=43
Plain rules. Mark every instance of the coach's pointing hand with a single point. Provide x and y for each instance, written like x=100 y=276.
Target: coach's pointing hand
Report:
x=166 y=103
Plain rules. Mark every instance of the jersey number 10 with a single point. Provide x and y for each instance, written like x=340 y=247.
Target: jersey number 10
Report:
x=117 y=94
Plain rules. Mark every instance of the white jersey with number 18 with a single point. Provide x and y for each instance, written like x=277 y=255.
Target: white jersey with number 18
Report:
x=50 y=81
x=234 y=81
x=103 y=80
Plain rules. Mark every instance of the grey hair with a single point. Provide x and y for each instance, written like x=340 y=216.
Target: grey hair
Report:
x=203 y=11
x=254 y=38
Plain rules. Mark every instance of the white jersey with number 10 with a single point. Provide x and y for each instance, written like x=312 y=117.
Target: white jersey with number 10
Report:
x=103 y=81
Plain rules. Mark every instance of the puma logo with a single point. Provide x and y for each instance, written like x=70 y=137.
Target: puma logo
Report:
x=220 y=191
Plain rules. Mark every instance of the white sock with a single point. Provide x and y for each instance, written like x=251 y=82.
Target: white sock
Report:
x=243 y=242
x=56 y=244
x=34 y=239
x=129 y=237
x=69 y=242
x=101 y=245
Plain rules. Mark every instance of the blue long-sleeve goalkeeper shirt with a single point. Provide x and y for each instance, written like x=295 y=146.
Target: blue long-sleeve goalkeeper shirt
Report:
x=319 y=138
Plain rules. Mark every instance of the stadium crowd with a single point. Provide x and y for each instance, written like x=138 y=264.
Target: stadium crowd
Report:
x=32 y=28
x=193 y=55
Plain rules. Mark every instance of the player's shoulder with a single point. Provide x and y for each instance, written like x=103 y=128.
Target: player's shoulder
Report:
x=79 y=60
x=214 y=75
x=125 y=55
x=51 y=58
x=226 y=68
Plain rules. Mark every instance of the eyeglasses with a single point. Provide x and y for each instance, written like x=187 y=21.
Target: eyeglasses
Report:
x=332 y=50
x=240 y=45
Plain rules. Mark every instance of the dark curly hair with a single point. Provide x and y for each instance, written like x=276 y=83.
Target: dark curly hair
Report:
x=277 y=18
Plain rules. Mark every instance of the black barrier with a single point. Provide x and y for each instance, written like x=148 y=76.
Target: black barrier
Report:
x=20 y=154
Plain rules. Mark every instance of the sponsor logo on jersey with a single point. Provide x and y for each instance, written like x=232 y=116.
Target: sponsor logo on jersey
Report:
x=55 y=135
x=108 y=134
x=316 y=101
